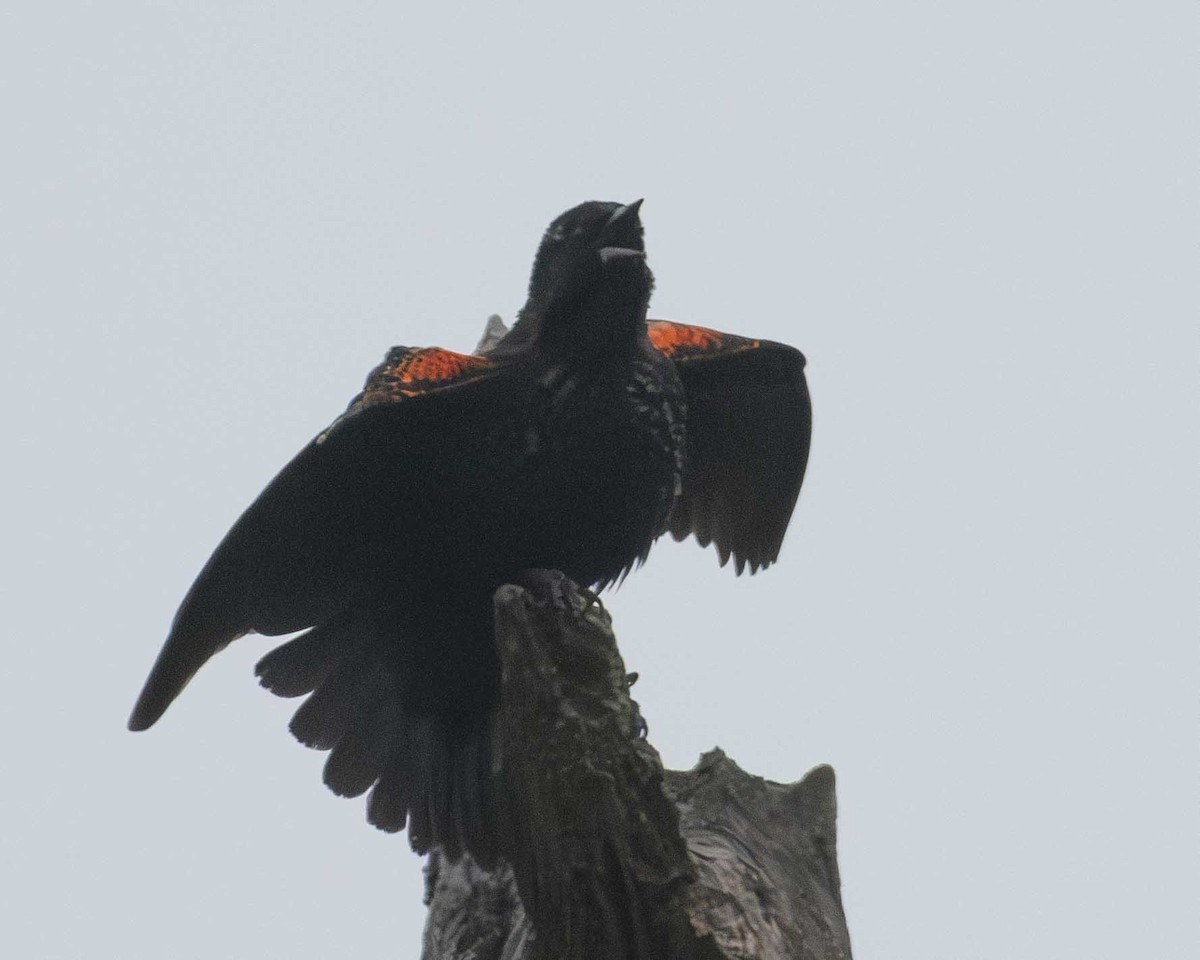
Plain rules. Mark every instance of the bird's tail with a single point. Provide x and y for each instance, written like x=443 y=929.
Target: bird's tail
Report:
x=426 y=762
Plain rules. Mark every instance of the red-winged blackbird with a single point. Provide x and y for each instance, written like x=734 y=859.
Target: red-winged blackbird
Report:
x=585 y=434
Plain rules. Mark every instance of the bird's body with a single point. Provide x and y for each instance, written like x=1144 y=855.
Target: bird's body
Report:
x=565 y=448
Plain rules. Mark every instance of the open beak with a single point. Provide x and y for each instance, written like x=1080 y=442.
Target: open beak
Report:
x=622 y=234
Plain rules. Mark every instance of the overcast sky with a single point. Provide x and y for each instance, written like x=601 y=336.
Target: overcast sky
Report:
x=978 y=221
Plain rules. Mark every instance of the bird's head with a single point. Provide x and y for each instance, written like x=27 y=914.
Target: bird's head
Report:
x=591 y=258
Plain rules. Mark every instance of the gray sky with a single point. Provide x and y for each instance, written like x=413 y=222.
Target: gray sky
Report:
x=977 y=220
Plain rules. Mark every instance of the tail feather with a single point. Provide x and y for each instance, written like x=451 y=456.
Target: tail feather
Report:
x=297 y=667
x=470 y=797
x=389 y=803
x=333 y=709
x=416 y=770
x=425 y=771
x=352 y=766
x=359 y=757
x=304 y=662
x=441 y=804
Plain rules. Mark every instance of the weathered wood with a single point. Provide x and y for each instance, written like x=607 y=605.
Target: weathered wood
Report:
x=611 y=857
x=766 y=857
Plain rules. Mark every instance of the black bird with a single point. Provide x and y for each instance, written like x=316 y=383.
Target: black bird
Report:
x=584 y=435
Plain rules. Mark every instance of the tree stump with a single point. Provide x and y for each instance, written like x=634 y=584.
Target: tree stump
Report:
x=606 y=856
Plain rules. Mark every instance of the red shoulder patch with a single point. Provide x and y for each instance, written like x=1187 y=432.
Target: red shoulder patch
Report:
x=681 y=341
x=413 y=371
x=408 y=372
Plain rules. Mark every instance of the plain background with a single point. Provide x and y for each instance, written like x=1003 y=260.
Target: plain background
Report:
x=977 y=220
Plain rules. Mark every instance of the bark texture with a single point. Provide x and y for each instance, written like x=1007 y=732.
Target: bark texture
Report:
x=608 y=856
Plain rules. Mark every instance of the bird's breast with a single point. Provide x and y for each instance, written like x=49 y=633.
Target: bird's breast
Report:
x=601 y=461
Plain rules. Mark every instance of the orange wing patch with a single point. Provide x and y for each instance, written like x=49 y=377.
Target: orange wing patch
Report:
x=413 y=371
x=408 y=372
x=681 y=341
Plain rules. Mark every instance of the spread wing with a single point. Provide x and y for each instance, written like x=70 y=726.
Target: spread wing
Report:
x=315 y=538
x=749 y=421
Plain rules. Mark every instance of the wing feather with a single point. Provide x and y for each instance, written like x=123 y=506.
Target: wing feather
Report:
x=749 y=422
x=311 y=543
